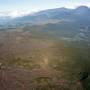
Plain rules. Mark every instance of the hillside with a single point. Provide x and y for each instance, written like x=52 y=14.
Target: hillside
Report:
x=47 y=50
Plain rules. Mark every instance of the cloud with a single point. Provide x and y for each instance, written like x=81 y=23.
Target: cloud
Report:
x=17 y=13
x=14 y=14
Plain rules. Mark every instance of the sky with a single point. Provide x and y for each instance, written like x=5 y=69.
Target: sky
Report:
x=21 y=6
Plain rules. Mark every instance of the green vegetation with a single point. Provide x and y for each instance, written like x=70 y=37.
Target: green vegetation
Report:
x=55 y=64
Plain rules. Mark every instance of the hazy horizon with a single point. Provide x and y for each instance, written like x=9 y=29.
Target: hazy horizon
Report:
x=33 y=5
x=19 y=13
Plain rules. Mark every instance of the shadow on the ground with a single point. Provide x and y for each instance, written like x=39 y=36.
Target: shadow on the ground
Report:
x=86 y=84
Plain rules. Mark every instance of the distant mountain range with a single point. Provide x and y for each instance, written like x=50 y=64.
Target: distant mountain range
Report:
x=81 y=13
x=67 y=23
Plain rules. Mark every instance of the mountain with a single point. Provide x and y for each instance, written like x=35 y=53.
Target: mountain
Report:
x=68 y=24
x=81 y=13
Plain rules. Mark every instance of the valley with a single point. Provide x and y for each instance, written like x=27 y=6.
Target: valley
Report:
x=36 y=61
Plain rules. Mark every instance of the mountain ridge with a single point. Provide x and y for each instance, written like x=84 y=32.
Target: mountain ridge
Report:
x=70 y=24
x=57 y=13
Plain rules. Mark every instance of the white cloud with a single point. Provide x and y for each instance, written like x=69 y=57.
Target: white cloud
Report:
x=17 y=13
x=14 y=14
